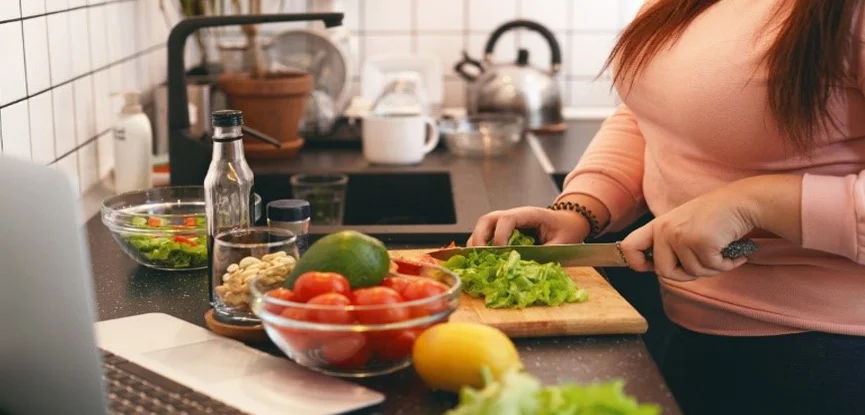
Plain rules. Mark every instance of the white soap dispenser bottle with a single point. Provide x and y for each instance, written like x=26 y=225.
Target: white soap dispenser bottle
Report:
x=133 y=147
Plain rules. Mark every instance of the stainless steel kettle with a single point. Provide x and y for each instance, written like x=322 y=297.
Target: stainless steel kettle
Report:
x=516 y=87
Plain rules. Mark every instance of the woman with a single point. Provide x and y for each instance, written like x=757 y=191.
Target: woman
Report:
x=740 y=118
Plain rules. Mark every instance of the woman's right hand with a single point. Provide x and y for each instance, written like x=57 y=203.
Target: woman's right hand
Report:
x=553 y=227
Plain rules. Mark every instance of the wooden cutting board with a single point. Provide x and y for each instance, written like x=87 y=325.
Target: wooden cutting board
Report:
x=605 y=312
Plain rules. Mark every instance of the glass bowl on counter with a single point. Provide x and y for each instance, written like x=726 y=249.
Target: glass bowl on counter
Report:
x=482 y=135
x=355 y=340
x=164 y=228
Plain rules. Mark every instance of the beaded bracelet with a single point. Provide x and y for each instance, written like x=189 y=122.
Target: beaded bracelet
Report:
x=594 y=225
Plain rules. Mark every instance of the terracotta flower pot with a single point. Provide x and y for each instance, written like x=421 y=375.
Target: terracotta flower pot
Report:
x=273 y=105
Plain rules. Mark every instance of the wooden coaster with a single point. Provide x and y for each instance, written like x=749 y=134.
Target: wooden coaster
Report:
x=246 y=334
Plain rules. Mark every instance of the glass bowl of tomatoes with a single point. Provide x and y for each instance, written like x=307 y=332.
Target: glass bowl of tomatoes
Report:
x=324 y=325
x=163 y=228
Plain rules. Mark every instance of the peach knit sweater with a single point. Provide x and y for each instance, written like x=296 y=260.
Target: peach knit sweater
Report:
x=697 y=119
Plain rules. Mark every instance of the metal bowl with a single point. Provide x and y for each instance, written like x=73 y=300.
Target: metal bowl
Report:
x=482 y=135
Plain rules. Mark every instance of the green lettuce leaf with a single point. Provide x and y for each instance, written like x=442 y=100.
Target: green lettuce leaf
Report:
x=518 y=393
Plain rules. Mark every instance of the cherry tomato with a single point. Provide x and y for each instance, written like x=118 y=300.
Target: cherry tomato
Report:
x=348 y=351
x=397 y=283
x=394 y=345
x=377 y=296
x=281 y=294
x=407 y=267
x=154 y=222
x=185 y=240
x=312 y=284
x=298 y=339
x=424 y=288
x=338 y=316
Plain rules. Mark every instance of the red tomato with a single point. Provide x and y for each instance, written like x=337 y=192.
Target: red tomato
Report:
x=185 y=240
x=348 y=351
x=312 y=284
x=281 y=294
x=407 y=267
x=394 y=345
x=424 y=288
x=338 y=316
x=298 y=339
x=397 y=283
x=154 y=222
x=380 y=296
x=189 y=222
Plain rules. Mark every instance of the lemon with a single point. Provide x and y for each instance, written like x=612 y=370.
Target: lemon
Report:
x=452 y=355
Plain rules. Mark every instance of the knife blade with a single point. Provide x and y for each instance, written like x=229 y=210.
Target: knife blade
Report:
x=582 y=255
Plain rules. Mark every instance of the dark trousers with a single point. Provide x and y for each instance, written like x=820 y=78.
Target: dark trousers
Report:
x=808 y=373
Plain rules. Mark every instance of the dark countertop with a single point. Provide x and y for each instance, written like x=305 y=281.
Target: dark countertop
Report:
x=122 y=288
x=564 y=149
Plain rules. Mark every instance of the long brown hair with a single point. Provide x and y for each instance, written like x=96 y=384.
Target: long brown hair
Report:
x=804 y=64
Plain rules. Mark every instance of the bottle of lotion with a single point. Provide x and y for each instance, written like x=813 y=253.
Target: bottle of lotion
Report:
x=133 y=147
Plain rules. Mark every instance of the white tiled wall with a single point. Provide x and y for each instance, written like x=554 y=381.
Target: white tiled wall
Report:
x=59 y=62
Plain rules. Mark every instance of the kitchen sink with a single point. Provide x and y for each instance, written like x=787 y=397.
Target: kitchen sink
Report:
x=382 y=198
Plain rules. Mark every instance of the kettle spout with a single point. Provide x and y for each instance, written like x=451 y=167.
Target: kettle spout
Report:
x=467 y=61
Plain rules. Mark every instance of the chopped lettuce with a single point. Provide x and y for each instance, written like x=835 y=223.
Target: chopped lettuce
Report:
x=518 y=393
x=517 y=238
x=507 y=281
x=169 y=253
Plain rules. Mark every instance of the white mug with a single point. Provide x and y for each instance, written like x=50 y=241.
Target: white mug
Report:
x=398 y=139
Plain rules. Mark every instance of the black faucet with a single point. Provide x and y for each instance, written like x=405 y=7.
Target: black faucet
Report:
x=190 y=156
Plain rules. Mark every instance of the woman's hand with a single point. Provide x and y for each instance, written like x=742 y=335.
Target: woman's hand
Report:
x=687 y=241
x=554 y=227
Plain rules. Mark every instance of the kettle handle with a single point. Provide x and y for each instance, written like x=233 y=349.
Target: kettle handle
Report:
x=531 y=25
x=468 y=61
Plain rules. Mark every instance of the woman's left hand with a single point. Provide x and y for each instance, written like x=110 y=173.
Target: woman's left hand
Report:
x=687 y=241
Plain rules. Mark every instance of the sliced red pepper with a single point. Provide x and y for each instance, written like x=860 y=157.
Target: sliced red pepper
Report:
x=154 y=222
x=189 y=222
x=185 y=240
x=451 y=245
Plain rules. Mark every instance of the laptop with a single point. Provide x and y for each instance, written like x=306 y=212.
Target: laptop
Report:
x=55 y=360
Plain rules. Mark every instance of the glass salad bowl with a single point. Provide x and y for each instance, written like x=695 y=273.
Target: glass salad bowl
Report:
x=164 y=228
x=350 y=340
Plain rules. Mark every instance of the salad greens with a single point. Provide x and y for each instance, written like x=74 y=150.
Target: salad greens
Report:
x=518 y=393
x=507 y=281
x=170 y=251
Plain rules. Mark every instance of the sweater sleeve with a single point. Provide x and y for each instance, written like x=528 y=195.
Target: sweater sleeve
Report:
x=611 y=169
x=833 y=207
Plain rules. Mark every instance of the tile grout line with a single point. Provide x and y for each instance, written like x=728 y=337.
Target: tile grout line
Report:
x=26 y=79
x=86 y=6
x=50 y=87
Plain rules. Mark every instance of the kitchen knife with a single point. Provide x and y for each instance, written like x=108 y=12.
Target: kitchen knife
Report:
x=583 y=255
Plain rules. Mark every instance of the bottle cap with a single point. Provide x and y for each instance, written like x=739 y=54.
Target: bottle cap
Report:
x=131 y=104
x=226 y=118
x=288 y=210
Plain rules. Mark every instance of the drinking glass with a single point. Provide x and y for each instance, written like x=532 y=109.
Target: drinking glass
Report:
x=240 y=255
x=325 y=194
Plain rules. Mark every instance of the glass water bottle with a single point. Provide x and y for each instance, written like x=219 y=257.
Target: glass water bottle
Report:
x=227 y=195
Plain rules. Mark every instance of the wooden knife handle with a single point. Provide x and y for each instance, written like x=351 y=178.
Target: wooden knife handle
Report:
x=737 y=249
